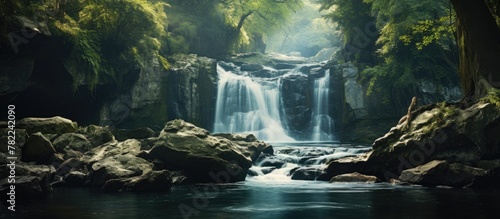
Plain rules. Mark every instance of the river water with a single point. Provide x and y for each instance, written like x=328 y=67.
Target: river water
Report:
x=273 y=195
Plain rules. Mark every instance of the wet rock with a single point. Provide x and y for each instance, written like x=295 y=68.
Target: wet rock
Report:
x=75 y=178
x=152 y=181
x=52 y=125
x=284 y=66
x=297 y=102
x=306 y=173
x=345 y=165
x=251 y=67
x=355 y=177
x=272 y=161
x=38 y=149
x=441 y=172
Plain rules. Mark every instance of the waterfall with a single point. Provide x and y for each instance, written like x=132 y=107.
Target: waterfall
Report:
x=249 y=105
x=322 y=122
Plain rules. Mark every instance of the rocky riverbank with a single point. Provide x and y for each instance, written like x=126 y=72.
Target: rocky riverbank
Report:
x=445 y=144
x=57 y=152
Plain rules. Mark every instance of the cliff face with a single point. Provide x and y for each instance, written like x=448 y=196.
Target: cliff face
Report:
x=41 y=81
x=192 y=90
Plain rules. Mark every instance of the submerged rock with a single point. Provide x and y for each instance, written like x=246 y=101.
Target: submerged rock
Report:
x=307 y=173
x=355 y=177
x=152 y=181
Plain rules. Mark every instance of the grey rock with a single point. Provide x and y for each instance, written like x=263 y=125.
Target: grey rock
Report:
x=38 y=149
x=438 y=172
x=355 y=177
x=52 y=125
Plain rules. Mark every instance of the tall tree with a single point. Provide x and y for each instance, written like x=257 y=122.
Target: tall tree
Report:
x=478 y=36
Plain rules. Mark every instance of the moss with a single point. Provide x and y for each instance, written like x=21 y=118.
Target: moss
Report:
x=164 y=62
x=445 y=114
x=493 y=97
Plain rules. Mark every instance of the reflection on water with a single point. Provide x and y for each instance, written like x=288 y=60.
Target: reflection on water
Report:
x=260 y=197
x=249 y=200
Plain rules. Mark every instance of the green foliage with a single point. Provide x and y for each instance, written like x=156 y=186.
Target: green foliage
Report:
x=110 y=37
x=249 y=18
x=164 y=62
x=415 y=42
x=493 y=97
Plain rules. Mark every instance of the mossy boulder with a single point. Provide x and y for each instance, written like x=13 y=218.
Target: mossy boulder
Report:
x=201 y=157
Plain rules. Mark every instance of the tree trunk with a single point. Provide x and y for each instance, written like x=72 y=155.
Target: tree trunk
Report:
x=243 y=18
x=478 y=39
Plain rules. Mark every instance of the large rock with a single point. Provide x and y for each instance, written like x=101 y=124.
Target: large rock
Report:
x=38 y=149
x=440 y=132
x=201 y=157
x=131 y=146
x=117 y=167
x=255 y=147
x=438 y=172
x=355 y=177
x=71 y=141
x=52 y=125
x=32 y=181
x=345 y=165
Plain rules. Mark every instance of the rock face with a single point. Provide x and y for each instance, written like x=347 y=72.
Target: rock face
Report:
x=354 y=93
x=437 y=173
x=192 y=90
x=201 y=157
x=297 y=104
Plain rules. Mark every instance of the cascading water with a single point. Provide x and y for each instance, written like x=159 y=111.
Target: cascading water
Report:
x=253 y=102
x=322 y=122
x=249 y=105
